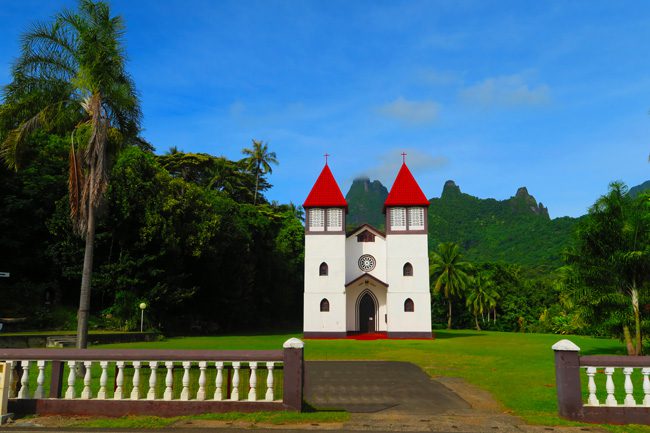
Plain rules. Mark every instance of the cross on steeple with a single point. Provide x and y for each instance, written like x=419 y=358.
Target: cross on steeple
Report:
x=403 y=157
x=326 y=155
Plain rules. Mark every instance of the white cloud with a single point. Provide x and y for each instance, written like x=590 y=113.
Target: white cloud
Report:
x=388 y=164
x=505 y=91
x=411 y=112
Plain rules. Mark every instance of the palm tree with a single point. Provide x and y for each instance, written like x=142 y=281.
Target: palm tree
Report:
x=481 y=297
x=260 y=160
x=449 y=273
x=79 y=57
x=611 y=263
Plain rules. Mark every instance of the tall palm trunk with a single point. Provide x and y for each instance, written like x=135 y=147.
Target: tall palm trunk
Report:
x=628 y=340
x=86 y=276
x=478 y=328
x=449 y=315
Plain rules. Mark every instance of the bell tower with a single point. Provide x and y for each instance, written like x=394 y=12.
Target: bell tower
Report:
x=324 y=297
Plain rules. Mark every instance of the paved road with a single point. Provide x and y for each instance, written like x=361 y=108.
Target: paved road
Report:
x=366 y=387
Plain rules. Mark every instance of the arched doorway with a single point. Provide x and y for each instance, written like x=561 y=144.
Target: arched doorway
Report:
x=367 y=310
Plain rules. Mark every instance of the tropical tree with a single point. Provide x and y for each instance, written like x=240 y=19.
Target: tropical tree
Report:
x=449 y=273
x=259 y=160
x=611 y=263
x=76 y=67
x=481 y=297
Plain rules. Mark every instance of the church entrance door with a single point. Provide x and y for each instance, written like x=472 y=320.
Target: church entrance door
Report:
x=367 y=310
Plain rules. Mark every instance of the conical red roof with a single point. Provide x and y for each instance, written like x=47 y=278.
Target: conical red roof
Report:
x=325 y=192
x=405 y=190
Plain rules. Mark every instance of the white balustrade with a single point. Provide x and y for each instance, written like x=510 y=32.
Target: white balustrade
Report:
x=86 y=393
x=629 y=388
x=269 y=381
x=190 y=376
x=200 y=394
x=135 y=392
x=72 y=376
x=119 y=381
x=169 y=381
x=185 y=393
x=234 y=395
x=593 y=400
x=609 y=385
x=101 y=394
x=218 y=382
x=40 y=379
x=151 y=394
x=252 y=382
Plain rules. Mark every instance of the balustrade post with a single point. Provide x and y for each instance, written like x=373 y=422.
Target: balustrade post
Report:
x=86 y=393
x=13 y=378
x=40 y=379
x=200 y=394
x=218 y=382
x=169 y=381
x=629 y=388
x=72 y=376
x=135 y=392
x=151 y=394
x=252 y=383
x=235 y=382
x=185 y=393
x=119 y=381
x=567 y=379
x=101 y=394
x=269 y=381
x=593 y=400
x=609 y=385
x=293 y=374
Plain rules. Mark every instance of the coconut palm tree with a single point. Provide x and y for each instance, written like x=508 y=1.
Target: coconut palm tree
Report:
x=449 y=273
x=260 y=160
x=78 y=62
x=481 y=297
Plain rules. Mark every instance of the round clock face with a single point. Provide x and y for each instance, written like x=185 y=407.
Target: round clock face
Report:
x=367 y=263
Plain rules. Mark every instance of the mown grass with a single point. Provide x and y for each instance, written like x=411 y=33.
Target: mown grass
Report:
x=277 y=418
x=517 y=369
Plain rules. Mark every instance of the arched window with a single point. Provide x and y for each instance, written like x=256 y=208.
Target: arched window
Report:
x=409 y=307
x=323 y=269
x=324 y=305
x=408 y=270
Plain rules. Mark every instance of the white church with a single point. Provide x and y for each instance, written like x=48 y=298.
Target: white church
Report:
x=367 y=281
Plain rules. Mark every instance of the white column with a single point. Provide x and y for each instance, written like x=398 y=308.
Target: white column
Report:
x=135 y=392
x=218 y=382
x=40 y=379
x=185 y=393
x=646 y=386
x=72 y=376
x=611 y=400
x=169 y=381
x=86 y=393
x=200 y=394
x=101 y=394
x=269 y=381
x=252 y=383
x=629 y=388
x=24 y=380
x=119 y=381
x=593 y=400
x=234 y=395
x=151 y=394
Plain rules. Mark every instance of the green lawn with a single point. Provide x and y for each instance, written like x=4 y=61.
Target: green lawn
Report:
x=518 y=369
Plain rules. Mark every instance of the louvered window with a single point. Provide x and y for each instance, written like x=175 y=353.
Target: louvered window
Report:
x=398 y=218
x=416 y=218
x=334 y=220
x=316 y=220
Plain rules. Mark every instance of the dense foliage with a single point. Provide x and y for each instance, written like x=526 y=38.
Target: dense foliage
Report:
x=177 y=231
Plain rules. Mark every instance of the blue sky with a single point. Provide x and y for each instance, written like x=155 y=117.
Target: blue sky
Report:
x=551 y=95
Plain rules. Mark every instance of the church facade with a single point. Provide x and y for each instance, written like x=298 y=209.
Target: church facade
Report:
x=366 y=280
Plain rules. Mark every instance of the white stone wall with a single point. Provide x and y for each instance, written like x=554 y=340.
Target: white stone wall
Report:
x=400 y=249
x=328 y=248
x=356 y=249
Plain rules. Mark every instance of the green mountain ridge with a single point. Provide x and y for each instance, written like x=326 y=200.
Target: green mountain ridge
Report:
x=516 y=230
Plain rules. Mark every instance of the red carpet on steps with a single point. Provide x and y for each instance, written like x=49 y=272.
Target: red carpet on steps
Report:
x=368 y=336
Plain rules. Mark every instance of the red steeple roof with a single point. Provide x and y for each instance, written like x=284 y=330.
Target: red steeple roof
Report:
x=325 y=192
x=405 y=190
